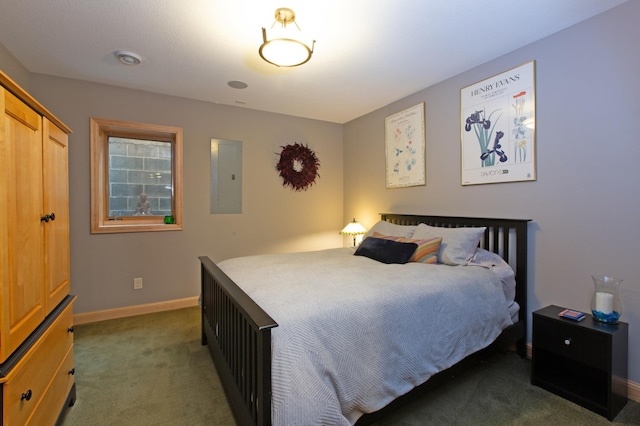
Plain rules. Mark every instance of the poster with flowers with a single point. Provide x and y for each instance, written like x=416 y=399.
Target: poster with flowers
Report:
x=404 y=146
x=498 y=117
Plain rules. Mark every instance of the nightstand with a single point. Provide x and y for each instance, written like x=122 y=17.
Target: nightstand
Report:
x=582 y=361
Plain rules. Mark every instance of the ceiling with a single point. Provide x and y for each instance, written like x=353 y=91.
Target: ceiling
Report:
x=368 y=53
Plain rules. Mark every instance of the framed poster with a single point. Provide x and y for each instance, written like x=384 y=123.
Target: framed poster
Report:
x=405 y=147
x=498 y=116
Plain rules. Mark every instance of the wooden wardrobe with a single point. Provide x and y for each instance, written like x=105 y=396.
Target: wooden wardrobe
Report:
x=36 y=319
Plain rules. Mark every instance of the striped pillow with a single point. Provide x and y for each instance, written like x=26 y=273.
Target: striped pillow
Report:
x=427 y=251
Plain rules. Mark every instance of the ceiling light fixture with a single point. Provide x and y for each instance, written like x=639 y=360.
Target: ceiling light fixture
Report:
x=286 y=46
x=128 y=58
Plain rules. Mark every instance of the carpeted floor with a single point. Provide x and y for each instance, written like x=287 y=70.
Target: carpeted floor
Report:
x=146 y=370
x=151 y=370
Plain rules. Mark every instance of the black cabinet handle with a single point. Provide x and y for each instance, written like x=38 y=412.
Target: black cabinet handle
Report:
x=72 y=371
x=48 y=217
x=70 y=329
x=26 y=395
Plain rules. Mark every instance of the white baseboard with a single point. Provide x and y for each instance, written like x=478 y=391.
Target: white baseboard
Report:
x=130 y=311
x=633 y=388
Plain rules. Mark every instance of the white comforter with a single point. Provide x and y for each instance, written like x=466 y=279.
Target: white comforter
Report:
x=354 y=334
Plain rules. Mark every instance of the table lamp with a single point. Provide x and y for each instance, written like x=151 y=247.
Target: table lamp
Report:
x=354 y=229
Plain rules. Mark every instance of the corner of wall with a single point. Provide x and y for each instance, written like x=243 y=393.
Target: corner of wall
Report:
x=13 y=68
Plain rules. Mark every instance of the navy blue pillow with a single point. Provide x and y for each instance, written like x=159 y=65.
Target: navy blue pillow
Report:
x=386 y=251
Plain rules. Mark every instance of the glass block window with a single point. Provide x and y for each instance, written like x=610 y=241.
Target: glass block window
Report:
x=136 y=174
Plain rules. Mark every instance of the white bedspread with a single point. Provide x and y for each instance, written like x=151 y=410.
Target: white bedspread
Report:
x=354 y=334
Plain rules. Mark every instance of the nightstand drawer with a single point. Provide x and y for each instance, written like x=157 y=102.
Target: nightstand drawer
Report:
x=571 y=341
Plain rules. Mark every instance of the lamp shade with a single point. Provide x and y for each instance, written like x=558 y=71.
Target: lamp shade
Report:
x=353 y=228
x=284 y=52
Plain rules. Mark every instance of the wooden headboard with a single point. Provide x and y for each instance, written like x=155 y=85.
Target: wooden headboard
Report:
x=506 y=237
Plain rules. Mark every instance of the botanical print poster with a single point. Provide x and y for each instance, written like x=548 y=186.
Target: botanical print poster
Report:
x=498 y=128
x=404 y=145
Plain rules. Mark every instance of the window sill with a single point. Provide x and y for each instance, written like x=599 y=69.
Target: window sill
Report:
x=134 y=227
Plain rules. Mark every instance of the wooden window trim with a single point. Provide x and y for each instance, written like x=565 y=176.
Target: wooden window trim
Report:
x=101 y=223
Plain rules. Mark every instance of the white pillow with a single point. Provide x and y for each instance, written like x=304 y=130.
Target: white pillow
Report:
x=391 y=230
x=458 y=244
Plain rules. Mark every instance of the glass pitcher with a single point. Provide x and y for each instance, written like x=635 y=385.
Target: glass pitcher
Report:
x=606 y=305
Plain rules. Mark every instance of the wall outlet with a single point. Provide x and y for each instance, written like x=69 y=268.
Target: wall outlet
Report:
x=137 y=283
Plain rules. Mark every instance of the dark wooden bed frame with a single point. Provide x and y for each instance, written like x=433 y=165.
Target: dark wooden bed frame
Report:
x=238 y=332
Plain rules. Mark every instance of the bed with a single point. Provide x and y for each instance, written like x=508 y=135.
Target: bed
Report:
x=255 y=356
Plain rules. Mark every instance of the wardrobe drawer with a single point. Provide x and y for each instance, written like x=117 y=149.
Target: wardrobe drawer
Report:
x=49 y=408
x=28 y=380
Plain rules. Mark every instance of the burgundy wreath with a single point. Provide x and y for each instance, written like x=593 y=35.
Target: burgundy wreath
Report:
x=298 y=166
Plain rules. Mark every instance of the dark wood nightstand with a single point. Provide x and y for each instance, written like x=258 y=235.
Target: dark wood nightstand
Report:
x=584 y=362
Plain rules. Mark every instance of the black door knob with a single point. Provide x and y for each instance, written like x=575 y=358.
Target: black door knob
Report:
x=48 y=217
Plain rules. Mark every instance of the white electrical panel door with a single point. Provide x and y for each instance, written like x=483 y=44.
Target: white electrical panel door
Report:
x=226 y=176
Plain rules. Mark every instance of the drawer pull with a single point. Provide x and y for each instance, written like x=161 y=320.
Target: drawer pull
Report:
x=26 y=395
x=567 y=341
x=72 y=371
x=70 y=329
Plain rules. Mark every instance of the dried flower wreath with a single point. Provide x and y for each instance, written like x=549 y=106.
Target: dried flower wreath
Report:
x=298 y=167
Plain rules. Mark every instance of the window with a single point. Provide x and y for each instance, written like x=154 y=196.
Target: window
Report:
x=136 y=177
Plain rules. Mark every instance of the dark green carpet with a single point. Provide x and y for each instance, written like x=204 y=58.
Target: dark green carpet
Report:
x=151 y=370
x=146 y=370
x=499 y=392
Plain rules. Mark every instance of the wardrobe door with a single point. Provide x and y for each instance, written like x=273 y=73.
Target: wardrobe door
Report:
x=23 y=278
x=56 y=205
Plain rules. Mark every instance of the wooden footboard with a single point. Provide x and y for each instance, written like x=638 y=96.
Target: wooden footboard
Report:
x=238 y=334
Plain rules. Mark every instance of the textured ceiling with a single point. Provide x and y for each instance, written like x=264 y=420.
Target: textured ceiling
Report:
x=368 y=53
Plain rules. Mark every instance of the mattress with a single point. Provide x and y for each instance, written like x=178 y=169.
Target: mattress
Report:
x=355 y=334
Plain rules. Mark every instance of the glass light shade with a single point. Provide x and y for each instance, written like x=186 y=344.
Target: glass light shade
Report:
x=353 y=228
x=285 y=52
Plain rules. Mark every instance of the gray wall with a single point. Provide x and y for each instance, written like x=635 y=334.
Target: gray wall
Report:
x=586 y=200
x=14 y=69
x=274 y=218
